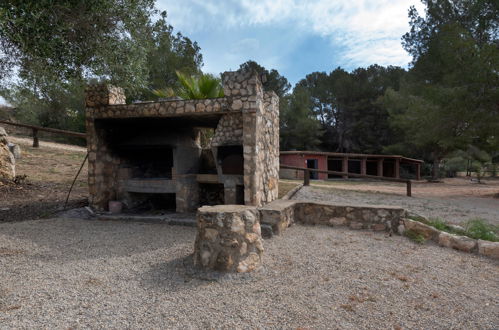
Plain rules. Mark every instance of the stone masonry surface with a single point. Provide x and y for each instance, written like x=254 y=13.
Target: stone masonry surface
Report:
x=7 y=160
x=228 y=238
x=248 y=117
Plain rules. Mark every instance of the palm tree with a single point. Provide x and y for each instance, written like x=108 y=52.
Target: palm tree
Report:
x=204 y=86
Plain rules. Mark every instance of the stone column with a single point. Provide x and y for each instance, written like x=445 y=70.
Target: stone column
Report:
x=102 y=166
x=244 y=92
x=380 y=166
x=260 y=134
x=228 y=238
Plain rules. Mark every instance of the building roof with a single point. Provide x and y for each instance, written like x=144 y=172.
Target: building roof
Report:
x=351 y=155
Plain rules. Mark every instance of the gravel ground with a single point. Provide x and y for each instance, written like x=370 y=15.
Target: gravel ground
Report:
x=453 y=210
x=69 y=273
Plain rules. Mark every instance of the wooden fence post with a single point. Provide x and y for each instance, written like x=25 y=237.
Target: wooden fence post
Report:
x=409 y=190
x=306 y=178
x=36 y=143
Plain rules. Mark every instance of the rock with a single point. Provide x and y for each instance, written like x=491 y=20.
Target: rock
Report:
x=401 y=229
x=237 y=104
x=339 y=221
x=249 y=264
x=267 y=231
x=7 y=160
x=15 y=149
x=211 y=234
x=461 y=243
x=378 y=227
x=356 y=225
x=487 y=248
x=428 y=232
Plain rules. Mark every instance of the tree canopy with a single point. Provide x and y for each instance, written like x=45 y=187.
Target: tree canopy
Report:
x=57 y=49
x=450 y=98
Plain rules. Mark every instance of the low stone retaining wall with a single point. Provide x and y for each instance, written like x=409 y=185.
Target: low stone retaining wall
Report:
x=281 y=214
x=229 y=236
x=442 y=238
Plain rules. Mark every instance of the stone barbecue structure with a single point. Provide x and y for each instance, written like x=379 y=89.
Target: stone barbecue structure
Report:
x=149 y=156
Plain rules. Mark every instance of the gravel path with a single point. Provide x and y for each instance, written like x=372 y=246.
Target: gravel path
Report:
x=66 y=273
x=453 y=210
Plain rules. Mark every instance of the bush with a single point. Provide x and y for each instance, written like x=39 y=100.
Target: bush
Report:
x=415 y=236
x=480 y=229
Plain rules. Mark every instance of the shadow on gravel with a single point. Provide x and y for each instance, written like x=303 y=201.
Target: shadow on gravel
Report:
x=76 y=239
x=180 y=273
x=33 y=210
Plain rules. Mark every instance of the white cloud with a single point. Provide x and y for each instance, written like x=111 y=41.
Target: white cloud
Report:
x=366 y=31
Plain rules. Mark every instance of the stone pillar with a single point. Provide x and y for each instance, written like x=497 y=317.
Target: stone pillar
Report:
x=363 y=166
x=228 y=238
x=397 y=168
x=344 y=167
x=380 y=166
x=260 y=117
x=102 y=166
x=186 y=156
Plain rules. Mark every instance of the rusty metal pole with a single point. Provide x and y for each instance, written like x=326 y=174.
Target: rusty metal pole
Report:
x=409 y=190
x=36 y=143
x=306 y=178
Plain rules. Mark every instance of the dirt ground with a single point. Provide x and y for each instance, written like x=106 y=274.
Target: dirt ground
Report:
x=453 y=200
x=45 y=176
x=449 y=187
x=49 y=171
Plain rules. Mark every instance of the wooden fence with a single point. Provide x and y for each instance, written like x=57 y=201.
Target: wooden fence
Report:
x=306 y=176
x=36 y=129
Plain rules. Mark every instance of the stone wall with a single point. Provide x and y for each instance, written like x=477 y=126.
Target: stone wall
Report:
x=229 y=131
x=268 y=140
x=102 y=95
x=280 y=214
x=457 y=242
x=260 y=111
x=159 y=109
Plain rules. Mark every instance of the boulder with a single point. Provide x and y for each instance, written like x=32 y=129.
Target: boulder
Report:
x=15 y=149
x=428 y=232
x=461 y=243
x=7 y=160
x=487 y=248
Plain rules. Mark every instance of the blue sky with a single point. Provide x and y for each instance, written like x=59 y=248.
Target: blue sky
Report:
x=295 y=37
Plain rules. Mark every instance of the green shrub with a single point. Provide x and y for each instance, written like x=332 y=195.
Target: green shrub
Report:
x=480 y=229
x=439 y=224
x=415 y=236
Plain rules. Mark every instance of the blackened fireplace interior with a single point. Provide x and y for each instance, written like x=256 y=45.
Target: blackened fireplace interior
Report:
x=160 y=158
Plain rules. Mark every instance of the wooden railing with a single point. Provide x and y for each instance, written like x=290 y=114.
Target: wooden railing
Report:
x=307 y=171
x=35 y=130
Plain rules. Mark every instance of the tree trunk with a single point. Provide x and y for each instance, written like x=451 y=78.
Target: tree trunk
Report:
x=435 y=168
